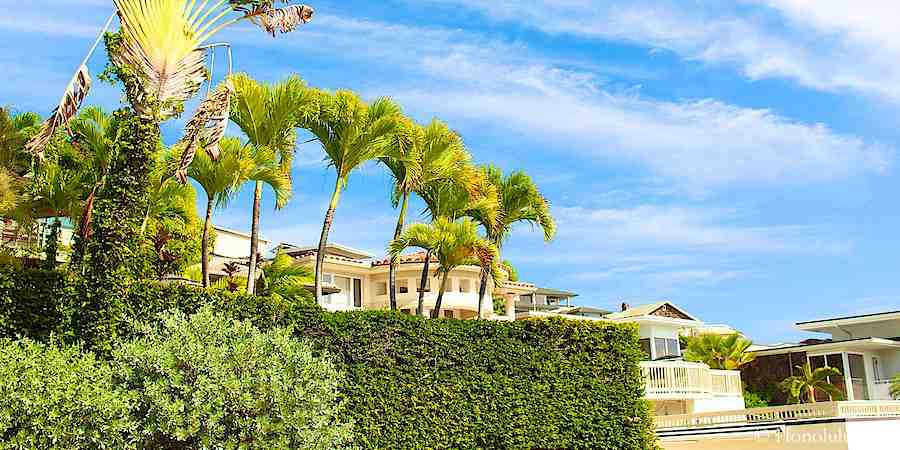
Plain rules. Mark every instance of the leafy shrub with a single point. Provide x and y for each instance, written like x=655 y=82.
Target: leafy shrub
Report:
x=419 y=383
x=754 y=400
x=212 y=382
x=52 y=398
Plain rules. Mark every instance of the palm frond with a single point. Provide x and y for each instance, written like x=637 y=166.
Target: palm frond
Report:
x=74 y=95
x=206 y=128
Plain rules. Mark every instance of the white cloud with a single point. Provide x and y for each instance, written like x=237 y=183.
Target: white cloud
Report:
x=698 y=142
x=687 y=229
x=824 y=44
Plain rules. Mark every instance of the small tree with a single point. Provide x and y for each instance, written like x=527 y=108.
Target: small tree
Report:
x=723 y=352
x=802 y=388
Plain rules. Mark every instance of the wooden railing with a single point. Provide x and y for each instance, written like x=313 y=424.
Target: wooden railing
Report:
x=807 y=411
x=684 y=380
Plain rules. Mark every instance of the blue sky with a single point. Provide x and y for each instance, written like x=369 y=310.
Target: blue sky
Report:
x=736 y=157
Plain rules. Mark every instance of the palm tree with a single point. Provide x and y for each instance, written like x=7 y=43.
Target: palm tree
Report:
x=803 y=387
x=454 y=243
x=429 y=155
x=285 y=278
x=468 y=194
x=159 y=56
x=267 y=114
x=221 y=179
x=14 y=162
x=351 y=133
x=718 y=351
x=520 y=201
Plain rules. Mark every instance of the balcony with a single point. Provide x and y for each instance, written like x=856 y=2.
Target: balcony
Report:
x=778 y=414
x=881 y=390
x=678 y=380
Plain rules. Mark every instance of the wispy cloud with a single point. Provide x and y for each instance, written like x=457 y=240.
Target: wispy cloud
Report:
x=825 y=45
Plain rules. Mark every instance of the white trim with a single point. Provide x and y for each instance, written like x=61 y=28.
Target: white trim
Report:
x=833 y=323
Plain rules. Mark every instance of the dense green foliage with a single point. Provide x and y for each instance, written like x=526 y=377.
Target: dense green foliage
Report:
x=418 y=383
x=211 y=382
x=52 y=398
x=409 y=382
x=754 y=400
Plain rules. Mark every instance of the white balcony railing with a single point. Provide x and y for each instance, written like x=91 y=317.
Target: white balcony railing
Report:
x=670 y=380
x=829 y=410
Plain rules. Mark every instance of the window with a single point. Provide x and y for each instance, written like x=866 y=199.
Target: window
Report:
x=427 y=285
x=834 y=360
x=666 y=347
x=357 y=292
x=381 y=288
x=529 y=299
x=403 y=286
x=407 y=312
x=465 y=286
x=448 y=313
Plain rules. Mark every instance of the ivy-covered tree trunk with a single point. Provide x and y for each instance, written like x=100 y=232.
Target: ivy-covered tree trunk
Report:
x=51 y=247
x=114 y=248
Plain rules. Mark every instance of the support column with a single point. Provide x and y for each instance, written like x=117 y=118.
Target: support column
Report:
x=511 y=301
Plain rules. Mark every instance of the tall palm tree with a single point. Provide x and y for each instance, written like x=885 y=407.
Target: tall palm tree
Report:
x=351 y=133
x=431 y=154
x=468 y=194
x=221 y=179
x=520 y=201
x=267 y=114
x=454 y=243
x=803 y=387
x=719 y=352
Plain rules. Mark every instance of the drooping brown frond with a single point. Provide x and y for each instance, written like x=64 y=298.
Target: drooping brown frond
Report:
x=68 y=107
x=284 y=20
x=206 y=128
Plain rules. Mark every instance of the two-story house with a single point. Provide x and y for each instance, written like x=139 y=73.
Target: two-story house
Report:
x=362 y=282
x=864 y=348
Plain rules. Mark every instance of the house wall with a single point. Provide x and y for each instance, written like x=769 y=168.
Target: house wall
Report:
x=763 y=375
x=653 y=331
x=233 y=245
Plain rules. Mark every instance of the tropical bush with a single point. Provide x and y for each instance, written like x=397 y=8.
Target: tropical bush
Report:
x=803 y=387
x=895 y=388
x=754 y=400
x=724 y=352
x=207 y=381
x=60 y=398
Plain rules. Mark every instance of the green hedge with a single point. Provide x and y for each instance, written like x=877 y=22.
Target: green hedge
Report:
x=548 y=384
x=439 y=384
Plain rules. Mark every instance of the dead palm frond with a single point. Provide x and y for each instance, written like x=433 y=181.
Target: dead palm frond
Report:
x=206 y=128
x=68 y=107
x=265 y=15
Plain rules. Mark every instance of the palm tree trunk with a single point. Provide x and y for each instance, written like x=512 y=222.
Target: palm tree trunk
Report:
x=420 y=309
x=392 y=277
x=481 y=291
x=204 y=259
x=323 y=240
x=436 y=312
x=254 y=240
